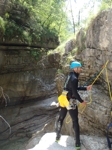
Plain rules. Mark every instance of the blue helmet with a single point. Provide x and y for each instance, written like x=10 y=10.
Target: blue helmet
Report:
x=75 y=64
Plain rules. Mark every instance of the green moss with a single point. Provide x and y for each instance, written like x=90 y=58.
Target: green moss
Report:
x=74 y=51
x=59 y=71
x=35 y=54
x=6 y=15
x=2 y=26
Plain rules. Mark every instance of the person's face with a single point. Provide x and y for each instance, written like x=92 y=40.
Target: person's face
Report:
x=78 y=70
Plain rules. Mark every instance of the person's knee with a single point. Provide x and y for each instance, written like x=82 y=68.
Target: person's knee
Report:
x=75 y=122
x=61 y=118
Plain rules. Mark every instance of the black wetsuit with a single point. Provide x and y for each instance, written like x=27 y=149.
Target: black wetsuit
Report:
x=71 y=87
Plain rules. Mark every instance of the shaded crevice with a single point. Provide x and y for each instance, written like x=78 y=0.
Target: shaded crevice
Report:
x=25 y=45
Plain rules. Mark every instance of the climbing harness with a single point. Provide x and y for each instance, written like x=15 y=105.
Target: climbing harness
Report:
x=73 y=103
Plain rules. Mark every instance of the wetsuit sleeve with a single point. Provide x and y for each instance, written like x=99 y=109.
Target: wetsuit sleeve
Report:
x=74 y=86
x=82 y=88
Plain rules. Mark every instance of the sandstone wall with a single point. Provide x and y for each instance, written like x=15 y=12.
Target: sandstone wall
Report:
x=28 y=83
x=98 y=47
x=24 y=78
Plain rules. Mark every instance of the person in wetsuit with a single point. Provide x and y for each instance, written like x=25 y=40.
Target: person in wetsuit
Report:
x=72 y=93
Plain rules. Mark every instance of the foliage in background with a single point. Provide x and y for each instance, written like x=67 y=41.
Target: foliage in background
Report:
x=2 y=26
x=89 y=11
x=105 y=4
x=92 y=8
x=37 y=53
x=102 y=5
x=35 y=20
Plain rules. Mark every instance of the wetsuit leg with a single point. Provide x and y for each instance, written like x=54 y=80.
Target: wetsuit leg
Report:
x=62 y=115
x=74 y=115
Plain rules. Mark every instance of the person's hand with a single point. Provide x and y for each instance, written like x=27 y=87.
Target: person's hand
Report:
x=89 y=87
x=84 y=103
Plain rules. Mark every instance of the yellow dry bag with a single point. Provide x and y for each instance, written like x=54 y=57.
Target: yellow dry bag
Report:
x=63 y=101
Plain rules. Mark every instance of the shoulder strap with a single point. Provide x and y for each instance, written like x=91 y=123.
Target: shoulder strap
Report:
x=66 y=82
